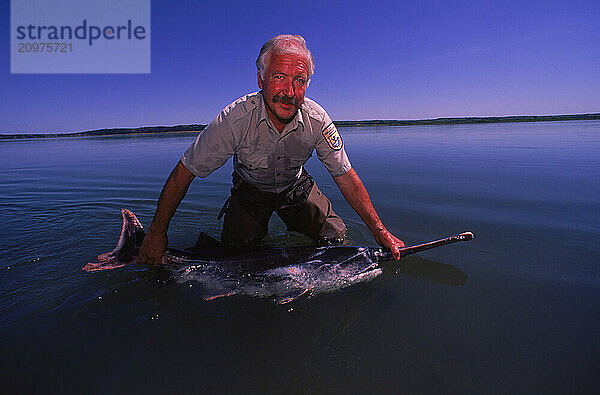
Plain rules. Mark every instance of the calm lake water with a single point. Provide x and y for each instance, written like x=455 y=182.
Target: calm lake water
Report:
x=526 y=320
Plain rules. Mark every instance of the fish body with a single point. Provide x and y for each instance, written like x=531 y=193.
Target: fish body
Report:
x=132 y=235
x=281 y=273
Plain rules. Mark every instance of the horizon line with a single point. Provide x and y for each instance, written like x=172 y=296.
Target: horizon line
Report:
x=188 y=128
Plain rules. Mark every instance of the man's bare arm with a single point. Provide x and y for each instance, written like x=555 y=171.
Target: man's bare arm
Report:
x=356 y=195
x=155 y=242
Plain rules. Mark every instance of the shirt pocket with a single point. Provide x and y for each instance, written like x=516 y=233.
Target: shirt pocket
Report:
x=255 y=161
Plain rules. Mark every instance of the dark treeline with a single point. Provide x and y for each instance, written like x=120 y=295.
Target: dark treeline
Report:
x=446 y=121
x=198 y=127
x=112 y=132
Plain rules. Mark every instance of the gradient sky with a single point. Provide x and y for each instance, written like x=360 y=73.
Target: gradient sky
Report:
x=374 y=60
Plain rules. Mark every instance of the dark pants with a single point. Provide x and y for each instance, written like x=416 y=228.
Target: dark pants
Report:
x=303 y=208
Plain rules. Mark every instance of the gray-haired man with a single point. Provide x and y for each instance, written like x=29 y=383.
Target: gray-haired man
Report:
x=271 y=134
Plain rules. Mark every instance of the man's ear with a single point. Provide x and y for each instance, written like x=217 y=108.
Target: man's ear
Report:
x=260 y=82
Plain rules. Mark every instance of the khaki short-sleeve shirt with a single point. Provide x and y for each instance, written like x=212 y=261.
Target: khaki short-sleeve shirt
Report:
x=265 y=158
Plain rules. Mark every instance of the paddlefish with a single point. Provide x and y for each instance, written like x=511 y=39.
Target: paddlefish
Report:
x=281 y=273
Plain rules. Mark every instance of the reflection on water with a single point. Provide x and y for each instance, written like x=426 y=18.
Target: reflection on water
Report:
x=433 y=271
x=524 y=321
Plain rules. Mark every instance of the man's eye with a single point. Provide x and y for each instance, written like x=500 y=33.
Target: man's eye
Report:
x=301 y=81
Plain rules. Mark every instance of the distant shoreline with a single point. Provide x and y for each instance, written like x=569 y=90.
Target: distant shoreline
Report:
x=196 y=128
x=466 y=120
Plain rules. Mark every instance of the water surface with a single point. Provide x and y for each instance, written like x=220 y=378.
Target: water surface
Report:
x=526 y=319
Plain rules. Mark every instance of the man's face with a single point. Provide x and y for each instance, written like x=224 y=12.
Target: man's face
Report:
x=284 y=86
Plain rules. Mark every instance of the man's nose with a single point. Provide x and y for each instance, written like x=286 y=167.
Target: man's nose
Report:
x=289 y=88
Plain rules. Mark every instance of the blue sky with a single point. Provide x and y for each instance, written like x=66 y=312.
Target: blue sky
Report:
x=374 y=60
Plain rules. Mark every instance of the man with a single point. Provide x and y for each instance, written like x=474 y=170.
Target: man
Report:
x=271 y=134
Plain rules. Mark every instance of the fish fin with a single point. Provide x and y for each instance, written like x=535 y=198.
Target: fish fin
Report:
x=288 y=298
x=127 y=248
x=105 y=265
x=217 y=296
x=207 y=247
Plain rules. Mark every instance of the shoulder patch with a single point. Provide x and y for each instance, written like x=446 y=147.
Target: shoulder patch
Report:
x=333 y=138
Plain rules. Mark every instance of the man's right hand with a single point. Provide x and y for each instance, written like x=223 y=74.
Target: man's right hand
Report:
x=155 y=243
x=152 y=249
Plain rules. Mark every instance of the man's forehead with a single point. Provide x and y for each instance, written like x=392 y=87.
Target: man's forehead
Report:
x=283 y=60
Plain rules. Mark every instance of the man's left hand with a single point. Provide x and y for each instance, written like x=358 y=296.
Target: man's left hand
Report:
x=388 y=240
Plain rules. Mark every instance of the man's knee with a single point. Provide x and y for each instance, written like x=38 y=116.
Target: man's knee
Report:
x=240 y=228
x=333 y=229
x=317 y=219
x=246 y=220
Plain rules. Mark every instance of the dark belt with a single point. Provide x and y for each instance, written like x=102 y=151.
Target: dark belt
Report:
x=239 y=182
